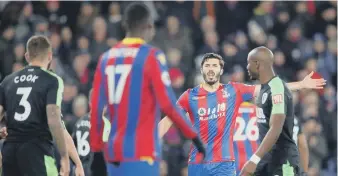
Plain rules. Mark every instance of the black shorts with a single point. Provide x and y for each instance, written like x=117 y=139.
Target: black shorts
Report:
x=33 y=158
x=277 y=170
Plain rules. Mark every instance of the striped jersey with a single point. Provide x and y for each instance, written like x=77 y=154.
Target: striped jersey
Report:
x=132 y=80
x=213 y=115
x=246 y=134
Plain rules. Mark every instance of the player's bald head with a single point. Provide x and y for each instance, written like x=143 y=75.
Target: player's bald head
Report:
x=262 y=54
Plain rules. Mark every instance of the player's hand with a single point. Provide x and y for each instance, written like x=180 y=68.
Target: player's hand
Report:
x=310 y=83
x=64 y=168
x=248 y=169
x=200 y=148
x=3 y=133
x=79 y=171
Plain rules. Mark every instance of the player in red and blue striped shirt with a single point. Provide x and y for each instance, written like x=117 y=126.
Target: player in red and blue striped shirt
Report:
x=132 y=80
x=246 y=134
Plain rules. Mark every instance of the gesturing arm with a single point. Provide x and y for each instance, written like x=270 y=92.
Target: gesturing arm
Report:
x=306 y=83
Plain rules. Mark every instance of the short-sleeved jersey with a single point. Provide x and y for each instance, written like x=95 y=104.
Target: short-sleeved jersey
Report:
x=246 y=134
x=25 y=95
x=132 y=79
x=213 y=115
x=276 y=98
x=81 y=139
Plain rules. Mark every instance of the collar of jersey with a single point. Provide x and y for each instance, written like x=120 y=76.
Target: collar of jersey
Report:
x=130 y=41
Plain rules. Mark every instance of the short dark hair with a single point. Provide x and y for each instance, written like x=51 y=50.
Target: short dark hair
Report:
x=212 y=56
x=136 y=14
x=38 y=45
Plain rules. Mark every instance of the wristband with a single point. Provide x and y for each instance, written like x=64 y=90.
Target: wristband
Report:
x=255 y=159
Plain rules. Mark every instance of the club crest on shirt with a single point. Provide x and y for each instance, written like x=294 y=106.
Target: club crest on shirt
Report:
x=264 y=97
x=225 y=93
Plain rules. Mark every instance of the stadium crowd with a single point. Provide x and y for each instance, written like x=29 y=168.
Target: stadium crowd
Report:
x=302 y=35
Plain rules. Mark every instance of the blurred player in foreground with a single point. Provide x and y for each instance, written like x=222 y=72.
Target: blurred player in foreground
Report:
x=277 y=153
x=32 y=99
x=131 y=79
x=213 y=108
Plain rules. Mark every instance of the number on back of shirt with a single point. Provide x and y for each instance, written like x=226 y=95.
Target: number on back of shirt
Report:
x=117 y=76
x=24 y=92
x=245 y=131
x=83 y=147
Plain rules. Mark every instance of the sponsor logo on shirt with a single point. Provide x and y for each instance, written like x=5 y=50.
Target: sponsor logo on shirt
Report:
x=277 y=99
x=212 y=113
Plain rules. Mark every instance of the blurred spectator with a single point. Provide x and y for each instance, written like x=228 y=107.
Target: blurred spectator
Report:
x=175 y=36
x=99 y=44
x=231 y=16
x=66 y=45
x=114 y=25
x=54 y=15
x=262 y=15
x=295 y=47
x=229 y=52
x=210 y=43
x=85 y=19
x=284 y=71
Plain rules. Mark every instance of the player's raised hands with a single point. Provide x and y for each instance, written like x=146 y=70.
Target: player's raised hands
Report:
x=311 y=83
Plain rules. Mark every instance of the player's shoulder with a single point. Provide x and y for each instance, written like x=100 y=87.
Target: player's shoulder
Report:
x=276 y=82
x=52 y=77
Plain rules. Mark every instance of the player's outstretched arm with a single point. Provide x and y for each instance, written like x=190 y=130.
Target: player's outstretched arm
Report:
x=163 y=126
x=306 y=83
x=303 y=151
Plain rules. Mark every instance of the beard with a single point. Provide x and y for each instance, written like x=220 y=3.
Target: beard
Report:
x=216 y=77
x=253 y=76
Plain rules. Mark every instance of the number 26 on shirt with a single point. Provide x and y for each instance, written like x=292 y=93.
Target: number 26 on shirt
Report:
x=246 y=131
x=116 y=78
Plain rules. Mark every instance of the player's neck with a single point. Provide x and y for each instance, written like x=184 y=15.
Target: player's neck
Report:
x=267 y=76
x=38 y=64
x=134 y=35
x=211 y=88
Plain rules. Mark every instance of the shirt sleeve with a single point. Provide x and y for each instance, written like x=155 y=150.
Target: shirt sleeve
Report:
x=277 y=96
x=165 y=95
x=183 y=101
x=98 y=101
x=54 y=93
x=246 y=91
